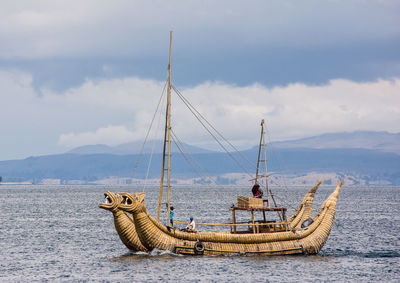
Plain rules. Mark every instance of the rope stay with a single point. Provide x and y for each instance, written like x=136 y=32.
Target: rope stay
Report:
x=284 y=202
x=184 y=152
x=154 y=143
x=196 y=114
x=174 y=139
x=219 y=133
x=284 y=187
x=148 y=132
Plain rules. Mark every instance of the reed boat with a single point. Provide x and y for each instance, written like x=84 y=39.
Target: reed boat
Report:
x=123 y=222
x=306 y=240
x=125 y=225
x=298 y=234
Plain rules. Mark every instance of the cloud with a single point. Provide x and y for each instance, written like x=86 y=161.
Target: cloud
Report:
x=111 y=135
x=61 y=43
x=299 y=110
x=115 y=111
x=46 y=29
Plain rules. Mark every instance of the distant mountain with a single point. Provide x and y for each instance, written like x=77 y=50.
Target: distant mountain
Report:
x=135 y=148
x=382 y=141
x=371 y=156
x=371 y=165
x=92 y=149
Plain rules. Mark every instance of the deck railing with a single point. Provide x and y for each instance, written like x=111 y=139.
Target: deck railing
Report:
x=256 y=227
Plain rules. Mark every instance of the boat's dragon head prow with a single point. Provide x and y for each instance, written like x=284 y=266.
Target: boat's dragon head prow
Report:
x=111 y=201
x=132 y=202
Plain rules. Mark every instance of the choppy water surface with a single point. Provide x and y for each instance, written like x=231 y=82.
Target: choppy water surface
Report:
x=59 y=234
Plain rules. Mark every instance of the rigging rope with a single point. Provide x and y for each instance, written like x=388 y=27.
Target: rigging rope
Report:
x=148 y=132
x=284 y=202
x=187 y=160
x=226 y=140
x=279 y=162
x=208 y=130
x=154 y=141
x=174 y=136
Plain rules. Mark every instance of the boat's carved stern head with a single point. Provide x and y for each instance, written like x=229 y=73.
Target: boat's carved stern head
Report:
x=330 y=202
x=308 y=200
x=132 y=202
x=111 y=201
x=309 y=197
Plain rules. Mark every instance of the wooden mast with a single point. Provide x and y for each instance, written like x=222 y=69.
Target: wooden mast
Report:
x=167 y=140
x=268 y=192
x=259 y=153
x=265 y=160
x=263 y=145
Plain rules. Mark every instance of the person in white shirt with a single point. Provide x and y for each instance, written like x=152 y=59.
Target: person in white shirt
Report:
x=191 y=227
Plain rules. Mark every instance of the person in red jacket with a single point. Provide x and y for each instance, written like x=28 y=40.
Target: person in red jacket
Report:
x=256 y=190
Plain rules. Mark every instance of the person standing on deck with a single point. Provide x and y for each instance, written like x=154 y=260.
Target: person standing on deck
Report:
x=171 y=216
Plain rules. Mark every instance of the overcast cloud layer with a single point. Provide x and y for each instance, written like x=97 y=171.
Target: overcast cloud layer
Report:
x=85 y=72
x=271 y=42
x=42 y=29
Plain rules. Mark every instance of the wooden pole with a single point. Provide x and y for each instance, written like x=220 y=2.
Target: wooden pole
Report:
x=167 y=137
x=265 y=160
x=163 y=166
x=259 y=153
x=252 y=220
x=234 y=220
x=169 y=130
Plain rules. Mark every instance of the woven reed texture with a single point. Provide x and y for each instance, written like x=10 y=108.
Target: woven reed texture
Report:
x=249 y=202
x=304 y=211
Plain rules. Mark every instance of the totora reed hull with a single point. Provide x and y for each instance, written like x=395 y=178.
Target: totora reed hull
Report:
x=126 y=230
x=309 y=240
x=304 y=211
x=123 y=222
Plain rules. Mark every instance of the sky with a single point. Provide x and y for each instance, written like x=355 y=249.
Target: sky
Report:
x=74 y=73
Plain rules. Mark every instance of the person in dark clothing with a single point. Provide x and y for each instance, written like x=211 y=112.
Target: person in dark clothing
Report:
x=256 y=190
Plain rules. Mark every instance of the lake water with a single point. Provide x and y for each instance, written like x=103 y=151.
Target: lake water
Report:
x=58 y=233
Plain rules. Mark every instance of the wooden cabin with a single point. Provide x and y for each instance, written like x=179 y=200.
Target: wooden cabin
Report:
x=254 y=205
